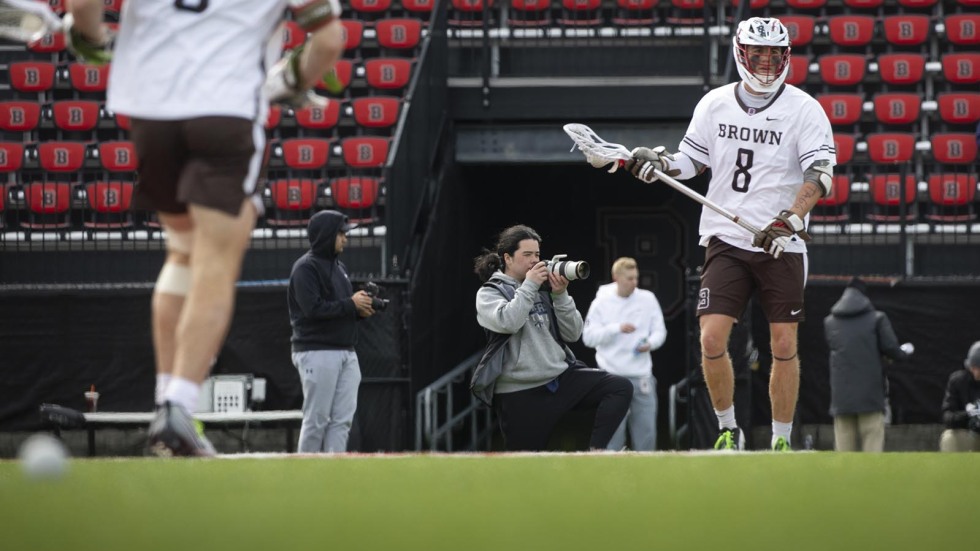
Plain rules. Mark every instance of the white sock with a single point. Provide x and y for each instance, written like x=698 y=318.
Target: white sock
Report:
x=726 y=418
x=163 y=379
x=183 y=392
x=781 y=429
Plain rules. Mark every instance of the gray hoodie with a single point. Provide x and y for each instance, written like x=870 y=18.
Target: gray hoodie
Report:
x=858 y=335
x=534 y=356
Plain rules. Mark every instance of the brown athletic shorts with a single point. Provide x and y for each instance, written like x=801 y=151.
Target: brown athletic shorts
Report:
x=731 y=275
x=207 y=161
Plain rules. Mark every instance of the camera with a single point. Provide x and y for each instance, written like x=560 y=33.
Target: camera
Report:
x=373 y=290
x=571 y=269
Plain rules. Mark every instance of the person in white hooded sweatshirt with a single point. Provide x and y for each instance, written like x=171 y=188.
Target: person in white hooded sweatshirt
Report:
x=624 y=325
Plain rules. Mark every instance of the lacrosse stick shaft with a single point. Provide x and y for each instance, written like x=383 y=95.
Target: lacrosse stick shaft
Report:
x=705 y=201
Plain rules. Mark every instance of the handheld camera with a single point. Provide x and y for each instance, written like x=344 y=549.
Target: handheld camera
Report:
x=571 y=269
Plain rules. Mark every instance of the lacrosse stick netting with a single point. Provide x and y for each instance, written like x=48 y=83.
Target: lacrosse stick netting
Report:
x=26 y=20
x=599 y=153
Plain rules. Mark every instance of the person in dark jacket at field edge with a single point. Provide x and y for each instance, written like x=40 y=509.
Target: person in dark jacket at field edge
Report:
x=961 y=406
x=858 y=336
x=323 y=311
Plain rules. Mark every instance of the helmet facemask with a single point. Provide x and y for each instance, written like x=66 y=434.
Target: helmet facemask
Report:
x=761 y=48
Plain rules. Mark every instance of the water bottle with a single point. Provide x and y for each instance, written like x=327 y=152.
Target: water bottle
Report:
x=643 y=341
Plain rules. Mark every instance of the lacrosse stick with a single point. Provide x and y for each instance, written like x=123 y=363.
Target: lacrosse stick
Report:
x=26 y=20
x=599 y=153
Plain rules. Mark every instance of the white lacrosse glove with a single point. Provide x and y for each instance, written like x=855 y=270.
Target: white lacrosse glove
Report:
x=283 y=83
x=908 y=348
x=84 y=49
x=779 y=232
x=646 y=160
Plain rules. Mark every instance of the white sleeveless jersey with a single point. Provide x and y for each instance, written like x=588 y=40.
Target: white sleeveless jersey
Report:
x=171 y=63
x=757 y=157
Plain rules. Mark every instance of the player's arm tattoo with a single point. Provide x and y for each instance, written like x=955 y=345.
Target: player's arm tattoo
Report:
x=807 y=198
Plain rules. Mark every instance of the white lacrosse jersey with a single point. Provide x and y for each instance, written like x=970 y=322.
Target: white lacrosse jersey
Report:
x=757 y=157
x=175 y=63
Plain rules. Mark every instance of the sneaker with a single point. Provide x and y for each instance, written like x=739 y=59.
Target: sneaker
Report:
x=781 y=445
x=730 y=439
x=174 y=433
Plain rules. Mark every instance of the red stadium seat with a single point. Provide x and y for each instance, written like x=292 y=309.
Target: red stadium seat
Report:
x=19 y=116
x=109 y=205
x=963 y=29
x=32 y=76
x=842 y=109
x=901 y=69
x=305 y=153
x=799 y=67
x=951 y=197
x=376 y=111
x=365 y=151
x=842 y=69
x=917 y=3
x=467 y=13
x=343 y=70
x=635 y=13
x=399 y=34
x=357 y=192
x=892 y=147
x=61 y=156
x=806 y=4
x=907 y=29
x=353 y=33
x=421 y=7
x=274 y=117
x=51 y=43
x=369 y=6
x=753 y=4
x=529 y=13
x=961 y=68
x=582 y=13
x=954 y=148
x=886 y=194
x=293 y=201
x=387 y=73
x=76 y=116
x=316 y=118
x=118 y=156
x=800 y=29
x=11 y=156
x=88 y=78
x=851 y=30
x=833 y=207
x=863 y=4
x=844 y=147
x=293 y=35
x=686 y=12
x=897 y=108
x=959 y=107
x=48 y=205
x=122 y=121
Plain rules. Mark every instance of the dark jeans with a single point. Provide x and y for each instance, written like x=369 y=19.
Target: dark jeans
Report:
x=527 y=417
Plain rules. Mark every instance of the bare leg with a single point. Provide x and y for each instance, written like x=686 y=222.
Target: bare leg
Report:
x=167 y=306
x=715 y=362
x=216 y=258
x=784 y=383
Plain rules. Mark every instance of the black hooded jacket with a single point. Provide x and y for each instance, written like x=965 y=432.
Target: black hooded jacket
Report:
x=858 y=335
x=321 y=310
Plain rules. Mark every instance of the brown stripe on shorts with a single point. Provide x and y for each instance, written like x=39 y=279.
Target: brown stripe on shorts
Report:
x=731 y=275
x=204 y=161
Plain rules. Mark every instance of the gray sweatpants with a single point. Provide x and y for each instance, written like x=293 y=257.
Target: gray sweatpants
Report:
x=330 y=379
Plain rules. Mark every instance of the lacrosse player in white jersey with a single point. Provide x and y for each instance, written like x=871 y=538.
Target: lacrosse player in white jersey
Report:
x=196 y=77
x=771 y=152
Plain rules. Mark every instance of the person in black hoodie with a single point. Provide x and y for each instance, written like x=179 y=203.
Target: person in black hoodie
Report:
x=323 y=311
x=961 y=406
x=858 y=336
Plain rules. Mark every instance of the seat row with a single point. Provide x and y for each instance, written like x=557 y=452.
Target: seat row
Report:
x=891 y=196
x=897 y=70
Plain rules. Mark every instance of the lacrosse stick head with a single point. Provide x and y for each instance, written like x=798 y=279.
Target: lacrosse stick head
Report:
x=598 y=152
x=26 y=20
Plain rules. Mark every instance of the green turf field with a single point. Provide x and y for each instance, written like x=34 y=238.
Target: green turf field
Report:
x=821 y=501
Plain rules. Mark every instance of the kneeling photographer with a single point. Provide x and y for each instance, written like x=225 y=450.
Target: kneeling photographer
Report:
x=324 y=311
x=528 y=372
x=961 y=406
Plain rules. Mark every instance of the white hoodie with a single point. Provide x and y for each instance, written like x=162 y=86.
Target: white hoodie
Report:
x=615 y=350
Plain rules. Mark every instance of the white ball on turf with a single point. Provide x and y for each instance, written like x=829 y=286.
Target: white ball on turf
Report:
x=43 y=457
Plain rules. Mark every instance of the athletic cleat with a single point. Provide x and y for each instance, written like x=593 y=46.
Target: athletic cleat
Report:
x=730 y=439
x=173 y=432
x=781 y=445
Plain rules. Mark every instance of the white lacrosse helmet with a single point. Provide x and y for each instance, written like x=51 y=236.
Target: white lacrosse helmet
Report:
x=760 y=31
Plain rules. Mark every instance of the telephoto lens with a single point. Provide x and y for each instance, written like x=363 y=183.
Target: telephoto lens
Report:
x=571 y=269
